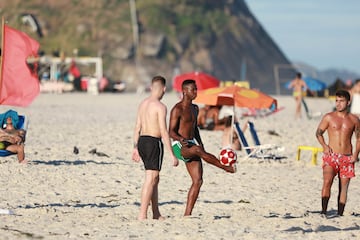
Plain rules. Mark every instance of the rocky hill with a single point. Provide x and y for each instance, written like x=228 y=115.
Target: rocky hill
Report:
x=220 y=37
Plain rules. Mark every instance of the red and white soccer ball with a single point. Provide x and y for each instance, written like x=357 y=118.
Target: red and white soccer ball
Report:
x=227 y=156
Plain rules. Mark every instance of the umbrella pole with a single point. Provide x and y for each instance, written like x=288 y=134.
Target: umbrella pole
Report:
x=232 y=126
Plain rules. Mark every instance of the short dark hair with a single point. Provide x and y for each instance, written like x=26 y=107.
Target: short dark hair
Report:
x=187 y=82
x=298 y=74
x=343 y=93
x=160 y=79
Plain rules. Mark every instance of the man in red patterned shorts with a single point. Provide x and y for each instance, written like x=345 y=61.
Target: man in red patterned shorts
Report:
x=338 y=157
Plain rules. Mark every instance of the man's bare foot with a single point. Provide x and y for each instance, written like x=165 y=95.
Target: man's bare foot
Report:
x=142 y=218
x=24 y=161
x=161 y=218
x=230 y=169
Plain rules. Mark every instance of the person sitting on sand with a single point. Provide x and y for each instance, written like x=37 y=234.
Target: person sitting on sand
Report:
x=209 y=118
x=230 y=138
x=12 y=140
x=201 y=120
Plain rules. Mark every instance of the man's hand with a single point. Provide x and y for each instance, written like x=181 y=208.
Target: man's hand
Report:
x=327 y=150
x=354 y=159
x=175 y=161
x=135 y=155
x=17 y=139
x=184 y=142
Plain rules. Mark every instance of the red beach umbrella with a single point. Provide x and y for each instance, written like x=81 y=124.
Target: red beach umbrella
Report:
x=203 y=80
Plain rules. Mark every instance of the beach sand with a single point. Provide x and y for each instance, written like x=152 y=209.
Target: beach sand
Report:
x=62 y=195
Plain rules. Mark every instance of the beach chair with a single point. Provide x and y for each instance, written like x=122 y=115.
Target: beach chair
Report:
x=263 y=151
x=21 y=125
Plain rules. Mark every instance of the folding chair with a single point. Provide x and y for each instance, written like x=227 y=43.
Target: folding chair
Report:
x=265 y=151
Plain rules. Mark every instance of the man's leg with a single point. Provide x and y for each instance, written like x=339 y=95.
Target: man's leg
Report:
x=209 y=158
x=195 y=170
x=342 y=197
x=298 y=107
x=19 y=150
x=151 y=179
x=328 y=178
x=155 y=200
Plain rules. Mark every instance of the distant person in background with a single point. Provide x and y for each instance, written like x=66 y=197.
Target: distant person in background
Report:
x=230 y=138
x=75 y=74
x=209 y=118
x=298 y=85
x=355 y=98
x=12 y=140
x=201 y=120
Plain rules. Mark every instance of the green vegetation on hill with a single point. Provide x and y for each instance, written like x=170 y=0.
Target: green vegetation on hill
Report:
x=89 y=25
x=214 y=36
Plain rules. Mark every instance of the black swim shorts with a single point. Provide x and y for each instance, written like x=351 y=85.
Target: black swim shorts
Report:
x=151 y=150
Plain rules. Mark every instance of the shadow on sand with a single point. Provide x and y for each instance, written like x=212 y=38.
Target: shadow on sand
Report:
x=66 y=162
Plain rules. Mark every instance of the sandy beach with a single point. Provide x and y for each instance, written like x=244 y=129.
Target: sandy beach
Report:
x=63 y=195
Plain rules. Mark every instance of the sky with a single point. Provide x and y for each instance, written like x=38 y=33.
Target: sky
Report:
x=322 y=33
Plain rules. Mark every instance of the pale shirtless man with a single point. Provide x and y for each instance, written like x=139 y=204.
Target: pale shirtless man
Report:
x=150 y=131
x=297 y=85
x=187 y=143
x=13 y=139
x=339 y=156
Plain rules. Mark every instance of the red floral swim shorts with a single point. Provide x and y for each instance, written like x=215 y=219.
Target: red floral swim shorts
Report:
x=340 y=163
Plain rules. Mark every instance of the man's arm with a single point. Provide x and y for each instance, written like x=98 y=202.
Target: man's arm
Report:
x=11 y=138
x=196 y=130
x=174 y=124
x=323 y=125
x=357 y=144
x=304 y=85
x=164 y=133
x=135 y=154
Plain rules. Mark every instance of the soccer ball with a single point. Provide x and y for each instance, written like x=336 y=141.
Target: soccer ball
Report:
x=227 y=156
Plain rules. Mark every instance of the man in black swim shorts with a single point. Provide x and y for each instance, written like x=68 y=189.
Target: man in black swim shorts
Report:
x=150 y=131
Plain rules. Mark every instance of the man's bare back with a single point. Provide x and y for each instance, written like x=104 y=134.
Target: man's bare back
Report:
x=149 y=116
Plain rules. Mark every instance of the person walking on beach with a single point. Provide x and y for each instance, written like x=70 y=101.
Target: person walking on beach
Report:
x=297 y=85
x=187 y=143
x=338 y=154
x=149 y=134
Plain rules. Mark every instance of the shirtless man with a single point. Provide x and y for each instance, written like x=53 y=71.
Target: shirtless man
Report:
x=297 y=86
x=12 y=140
x=150 y=131
x=338 y=157
x=187 y=143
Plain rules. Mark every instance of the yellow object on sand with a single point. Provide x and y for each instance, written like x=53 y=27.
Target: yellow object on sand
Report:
x=314 y=150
